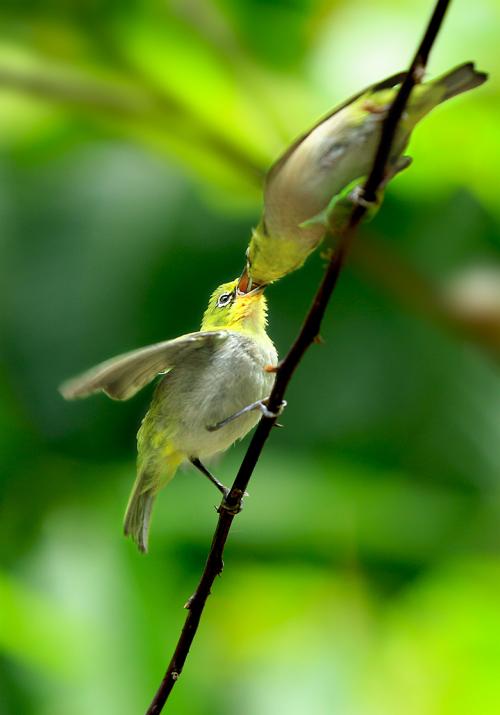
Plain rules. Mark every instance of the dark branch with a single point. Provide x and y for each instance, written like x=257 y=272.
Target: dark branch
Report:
x=307 y=335
x=414 y=76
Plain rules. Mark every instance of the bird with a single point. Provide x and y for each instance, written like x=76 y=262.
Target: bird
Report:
x=212 y=392
x=301 y=187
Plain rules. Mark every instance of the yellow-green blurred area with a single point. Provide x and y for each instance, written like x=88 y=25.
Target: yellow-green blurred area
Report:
x=363 y=576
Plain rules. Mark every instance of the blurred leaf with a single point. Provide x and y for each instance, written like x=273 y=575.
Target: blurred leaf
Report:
x=30 y=624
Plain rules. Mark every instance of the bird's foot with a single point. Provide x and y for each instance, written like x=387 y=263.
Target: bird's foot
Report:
x=225 y=491
x=218 y=485
x=266 y=412
x=232 y=502
x=258 y=405
x=357 y=196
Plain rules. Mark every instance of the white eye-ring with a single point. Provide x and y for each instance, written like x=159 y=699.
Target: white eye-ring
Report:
x=224 y=299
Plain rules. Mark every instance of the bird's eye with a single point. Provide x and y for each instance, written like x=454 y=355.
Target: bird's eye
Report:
x=224 y=299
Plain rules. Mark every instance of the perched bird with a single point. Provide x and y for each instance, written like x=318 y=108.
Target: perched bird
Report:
x=216 y=381
x=301 y=186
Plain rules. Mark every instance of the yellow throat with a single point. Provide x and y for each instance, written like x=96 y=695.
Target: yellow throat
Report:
x=230 y=309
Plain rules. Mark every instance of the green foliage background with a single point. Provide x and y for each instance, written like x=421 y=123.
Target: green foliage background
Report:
x=363 y=576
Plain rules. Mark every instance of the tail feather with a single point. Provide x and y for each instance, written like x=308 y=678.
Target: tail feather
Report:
x=152 y=475
x=138 y=512
x=460 y=79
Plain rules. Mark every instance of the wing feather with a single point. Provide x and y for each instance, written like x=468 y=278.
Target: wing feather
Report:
x=123 y=376
x=391 y=81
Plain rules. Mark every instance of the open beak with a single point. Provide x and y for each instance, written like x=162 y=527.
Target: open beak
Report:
x=246 y=287
x=256 y=290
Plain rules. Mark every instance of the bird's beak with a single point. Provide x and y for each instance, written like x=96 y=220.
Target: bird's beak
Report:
x=246 y=287
x=245 y=282
x=256 y=291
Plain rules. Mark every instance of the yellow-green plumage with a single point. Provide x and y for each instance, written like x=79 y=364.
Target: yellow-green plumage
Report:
x=338 y=150
x=210 y=375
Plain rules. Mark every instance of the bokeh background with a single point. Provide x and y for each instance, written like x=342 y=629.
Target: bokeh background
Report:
x=363 y=576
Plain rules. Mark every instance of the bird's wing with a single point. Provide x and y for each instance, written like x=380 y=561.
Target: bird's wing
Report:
x=387 y=83
x=122 y=376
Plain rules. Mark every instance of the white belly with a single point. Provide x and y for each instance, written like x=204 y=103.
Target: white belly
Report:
x=209 y=387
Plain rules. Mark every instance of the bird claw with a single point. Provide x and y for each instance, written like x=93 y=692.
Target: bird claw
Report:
x=357 y=197
x=234 y=508
x=262 y=406
x=259 y=405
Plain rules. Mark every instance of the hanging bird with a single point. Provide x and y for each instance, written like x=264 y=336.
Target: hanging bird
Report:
x=301 y=186
x=215 y=383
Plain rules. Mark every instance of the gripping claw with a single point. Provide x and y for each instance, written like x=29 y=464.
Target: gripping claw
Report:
x=259 y=405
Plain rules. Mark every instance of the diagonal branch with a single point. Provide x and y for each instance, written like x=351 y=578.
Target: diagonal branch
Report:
x=306 y=337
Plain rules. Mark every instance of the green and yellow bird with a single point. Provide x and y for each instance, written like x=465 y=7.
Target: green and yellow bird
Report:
x=302 y=185
x=216 y=381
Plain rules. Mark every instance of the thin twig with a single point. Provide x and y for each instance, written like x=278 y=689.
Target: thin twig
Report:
x=307 y=335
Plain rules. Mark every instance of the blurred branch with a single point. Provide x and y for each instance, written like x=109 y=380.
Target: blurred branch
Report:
x=148 y=105
x=211 y=23
x=306 y=337
x=70 y=90
x=479 y=324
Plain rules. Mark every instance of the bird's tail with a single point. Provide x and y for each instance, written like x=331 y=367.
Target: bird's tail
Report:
x=428 y=95
x=138 y=512
x=459 y=80
x=148 y=483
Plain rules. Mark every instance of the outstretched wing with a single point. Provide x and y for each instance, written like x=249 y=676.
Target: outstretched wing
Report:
x=122 y=376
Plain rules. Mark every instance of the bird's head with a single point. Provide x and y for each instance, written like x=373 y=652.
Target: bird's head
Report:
x=231 y=309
